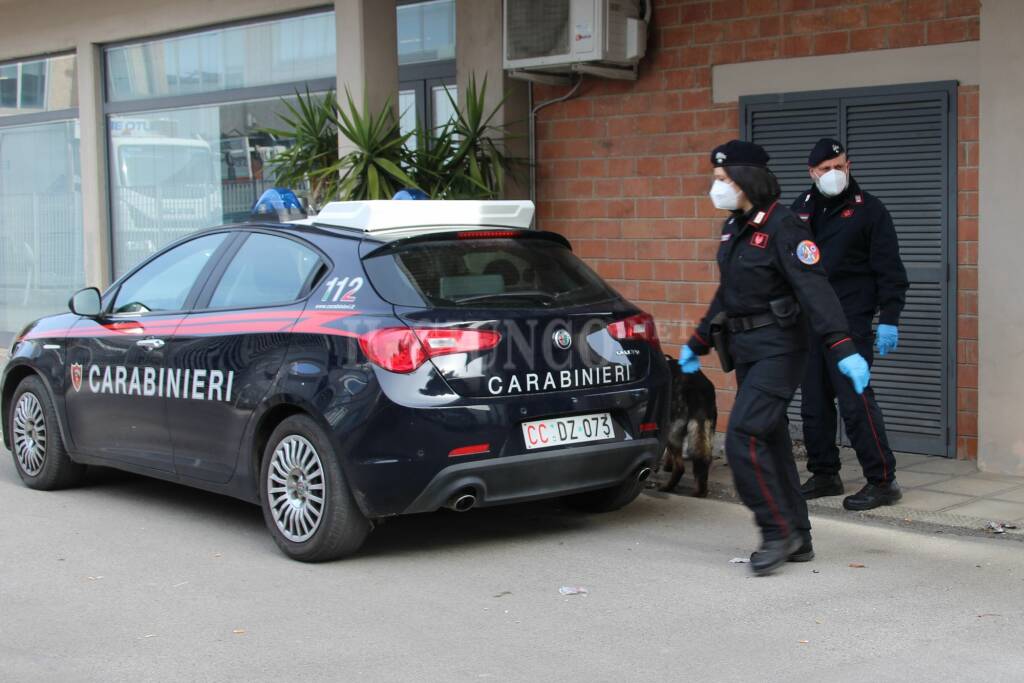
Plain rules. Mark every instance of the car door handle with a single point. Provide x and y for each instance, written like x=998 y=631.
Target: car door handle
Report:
x=150 y=344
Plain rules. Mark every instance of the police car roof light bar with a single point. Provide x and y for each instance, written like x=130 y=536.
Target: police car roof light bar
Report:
x=279 y=202
x=377 y=216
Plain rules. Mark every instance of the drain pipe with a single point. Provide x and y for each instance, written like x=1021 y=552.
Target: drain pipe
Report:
x=533 y=130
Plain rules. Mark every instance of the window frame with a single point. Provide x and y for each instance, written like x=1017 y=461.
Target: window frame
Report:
x=205 y=295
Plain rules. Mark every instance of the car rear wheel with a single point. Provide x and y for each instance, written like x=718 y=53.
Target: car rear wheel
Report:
x=36 y=444
x=307 y=504
x=607 y=500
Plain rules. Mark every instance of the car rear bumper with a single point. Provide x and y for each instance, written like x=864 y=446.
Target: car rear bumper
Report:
x=532 y=476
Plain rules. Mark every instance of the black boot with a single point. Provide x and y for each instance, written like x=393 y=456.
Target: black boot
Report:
x=773 y=554
x=805 y=553
x=873 y=496
x=822 y=485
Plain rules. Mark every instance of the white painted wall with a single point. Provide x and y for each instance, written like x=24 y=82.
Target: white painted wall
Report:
x=1001 y=240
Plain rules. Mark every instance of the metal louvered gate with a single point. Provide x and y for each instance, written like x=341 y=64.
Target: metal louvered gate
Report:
x=902 y=146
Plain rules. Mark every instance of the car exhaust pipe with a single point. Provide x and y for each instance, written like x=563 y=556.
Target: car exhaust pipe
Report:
x=643 y=474
x=461 y=502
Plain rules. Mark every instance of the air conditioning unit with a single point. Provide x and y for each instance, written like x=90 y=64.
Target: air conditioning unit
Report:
x=563 y=36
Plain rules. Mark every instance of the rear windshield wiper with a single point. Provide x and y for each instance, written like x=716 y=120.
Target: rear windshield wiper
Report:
x=530 y=294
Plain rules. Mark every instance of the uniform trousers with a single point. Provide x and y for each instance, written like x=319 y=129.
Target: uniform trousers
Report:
x=758 y=446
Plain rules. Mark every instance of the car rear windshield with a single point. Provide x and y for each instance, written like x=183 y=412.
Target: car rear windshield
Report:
x=500 y=272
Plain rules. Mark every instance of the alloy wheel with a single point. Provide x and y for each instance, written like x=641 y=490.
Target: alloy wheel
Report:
x=295 y=488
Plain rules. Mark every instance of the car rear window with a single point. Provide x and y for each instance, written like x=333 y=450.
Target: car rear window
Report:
x=501 y=272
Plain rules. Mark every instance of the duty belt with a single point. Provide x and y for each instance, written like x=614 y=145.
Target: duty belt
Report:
x=750 y=322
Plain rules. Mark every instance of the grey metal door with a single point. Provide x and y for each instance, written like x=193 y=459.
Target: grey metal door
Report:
x=902 y=144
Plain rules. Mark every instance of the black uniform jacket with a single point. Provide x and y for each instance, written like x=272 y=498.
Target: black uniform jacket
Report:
x=860 y=252
x=765 y=255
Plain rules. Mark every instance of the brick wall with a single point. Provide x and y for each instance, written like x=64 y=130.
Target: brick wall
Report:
x=623 y=168
x=967 y=274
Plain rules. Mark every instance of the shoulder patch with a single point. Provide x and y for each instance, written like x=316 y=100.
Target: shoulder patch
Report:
x=847 y=213
x=807 y=253
x=759 y=240
x=859 y=198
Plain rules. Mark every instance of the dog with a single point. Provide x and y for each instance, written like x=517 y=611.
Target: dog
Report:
x=691 y=433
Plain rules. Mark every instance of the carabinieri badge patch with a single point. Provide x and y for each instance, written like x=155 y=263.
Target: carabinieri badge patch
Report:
x=808 y=253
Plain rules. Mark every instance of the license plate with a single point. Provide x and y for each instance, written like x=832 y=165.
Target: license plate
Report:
x=559 y=431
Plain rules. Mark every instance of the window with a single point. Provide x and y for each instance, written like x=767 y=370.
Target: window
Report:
x=183 y=155
x=289 y=50
x=163 y=284
x=41 y=255
x=38 y=85
x=267 y=270
x=491 y=272
x=426 y=31
x=426 y=64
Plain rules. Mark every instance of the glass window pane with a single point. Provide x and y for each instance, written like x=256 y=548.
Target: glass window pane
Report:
x=39 y=85
x=443 y=109
x=407 y=115
x=41 y=261
x=287 y=50
x=267 y=270
x=174 y=172
x=164 y=283
x=426 y=31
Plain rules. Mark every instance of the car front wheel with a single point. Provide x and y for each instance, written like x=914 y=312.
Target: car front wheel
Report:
x=39 y=454
x=307 y=504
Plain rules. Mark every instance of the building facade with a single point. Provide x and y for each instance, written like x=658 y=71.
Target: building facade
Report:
x=122 y=127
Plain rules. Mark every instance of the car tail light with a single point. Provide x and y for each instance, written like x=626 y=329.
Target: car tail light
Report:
x=647 y=427
x=636 y=327
x=403 y=349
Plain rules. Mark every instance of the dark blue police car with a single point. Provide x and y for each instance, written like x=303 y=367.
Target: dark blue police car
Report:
x=381 y=358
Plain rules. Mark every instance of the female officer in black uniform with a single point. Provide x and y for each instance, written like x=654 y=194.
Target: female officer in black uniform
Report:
x=772 y=286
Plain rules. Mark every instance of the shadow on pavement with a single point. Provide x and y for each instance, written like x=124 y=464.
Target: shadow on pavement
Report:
x=393 y=536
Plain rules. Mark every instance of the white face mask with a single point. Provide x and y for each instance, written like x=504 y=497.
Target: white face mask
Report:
x=723 y=196
x=831 y=184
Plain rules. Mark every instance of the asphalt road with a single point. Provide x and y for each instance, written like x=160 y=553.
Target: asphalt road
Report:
x=128 y=578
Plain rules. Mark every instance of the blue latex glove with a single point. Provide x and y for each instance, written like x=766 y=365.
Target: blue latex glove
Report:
x=887 y=338
x=856 y=368
x=688 y=360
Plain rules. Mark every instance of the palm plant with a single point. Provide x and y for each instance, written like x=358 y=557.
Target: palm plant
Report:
x=373 y=169
x=461 y=159
x=310 y=160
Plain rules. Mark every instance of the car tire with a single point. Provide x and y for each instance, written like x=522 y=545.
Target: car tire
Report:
x=307 y=504
x=37 y=447
x=607 y=499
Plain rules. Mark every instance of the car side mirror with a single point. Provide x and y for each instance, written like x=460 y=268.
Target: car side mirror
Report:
x=86 y=302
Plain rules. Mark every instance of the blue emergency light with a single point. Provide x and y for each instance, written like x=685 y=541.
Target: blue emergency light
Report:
x=280 y=203
x=410 y=193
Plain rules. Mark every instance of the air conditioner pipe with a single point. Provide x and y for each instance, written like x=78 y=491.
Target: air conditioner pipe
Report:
x=532 y=134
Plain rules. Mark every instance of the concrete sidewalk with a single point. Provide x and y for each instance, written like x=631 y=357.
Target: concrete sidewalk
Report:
x=937 y=492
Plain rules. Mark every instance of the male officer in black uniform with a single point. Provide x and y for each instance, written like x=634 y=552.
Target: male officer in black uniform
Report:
x=861 y=254
x=772 y=288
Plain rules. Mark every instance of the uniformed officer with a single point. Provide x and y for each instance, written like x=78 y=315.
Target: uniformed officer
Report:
x=861 y=254
x=772 y=287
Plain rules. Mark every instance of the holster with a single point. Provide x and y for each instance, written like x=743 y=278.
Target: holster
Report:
x=720 y=340
x=786 y=311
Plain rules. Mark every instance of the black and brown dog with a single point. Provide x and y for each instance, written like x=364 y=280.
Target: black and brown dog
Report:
x=691 y=433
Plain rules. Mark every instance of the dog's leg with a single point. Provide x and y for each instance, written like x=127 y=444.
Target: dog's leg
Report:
x=678 y=467
x=700 y=445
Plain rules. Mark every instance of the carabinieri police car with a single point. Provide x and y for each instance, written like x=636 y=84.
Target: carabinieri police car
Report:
x=378 y=359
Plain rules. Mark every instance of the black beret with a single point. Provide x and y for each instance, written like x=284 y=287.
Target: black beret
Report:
x=739 y=153
x=825 y=149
